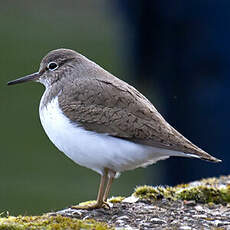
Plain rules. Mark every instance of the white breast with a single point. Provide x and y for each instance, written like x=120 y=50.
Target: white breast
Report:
x=93 y=150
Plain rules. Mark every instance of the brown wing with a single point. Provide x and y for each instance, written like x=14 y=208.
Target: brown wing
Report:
x=106 y=104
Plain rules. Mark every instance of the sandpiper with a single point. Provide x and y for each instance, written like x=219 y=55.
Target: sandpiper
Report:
x=101 y=122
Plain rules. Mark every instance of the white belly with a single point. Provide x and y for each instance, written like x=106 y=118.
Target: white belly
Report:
x=93 y=150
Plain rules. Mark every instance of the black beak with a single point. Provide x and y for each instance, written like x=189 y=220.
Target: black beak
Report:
x=31 y=77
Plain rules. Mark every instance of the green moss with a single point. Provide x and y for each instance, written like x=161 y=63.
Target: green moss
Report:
x=117 y=199
x=46 y=222
x=182 y=186
x=89 y=202
x=205 y=194
x=154 y=193
x=146 y=192
x=202 y=193
x=210 y=181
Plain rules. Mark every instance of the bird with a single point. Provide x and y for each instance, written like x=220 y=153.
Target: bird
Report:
x=101 y=122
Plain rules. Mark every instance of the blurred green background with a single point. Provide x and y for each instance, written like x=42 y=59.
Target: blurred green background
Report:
x=35 y=177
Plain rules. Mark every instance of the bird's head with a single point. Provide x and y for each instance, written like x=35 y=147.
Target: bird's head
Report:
x=56 y=65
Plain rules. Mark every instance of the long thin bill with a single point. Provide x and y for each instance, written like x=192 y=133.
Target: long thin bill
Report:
x=31 y=77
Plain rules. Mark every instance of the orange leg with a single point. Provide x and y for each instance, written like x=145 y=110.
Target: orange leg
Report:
x=108 y=187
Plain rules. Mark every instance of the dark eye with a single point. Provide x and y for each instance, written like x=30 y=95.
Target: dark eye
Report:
x=52 y=66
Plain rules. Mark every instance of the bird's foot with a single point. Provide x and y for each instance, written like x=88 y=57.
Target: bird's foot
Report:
x=91 y=205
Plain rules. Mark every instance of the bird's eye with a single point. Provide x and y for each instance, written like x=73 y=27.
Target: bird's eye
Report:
x=52 y=66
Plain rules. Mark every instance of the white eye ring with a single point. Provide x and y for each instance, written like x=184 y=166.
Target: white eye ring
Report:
x=52 y=66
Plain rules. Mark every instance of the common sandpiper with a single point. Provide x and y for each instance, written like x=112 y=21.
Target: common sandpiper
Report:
x=101 y=122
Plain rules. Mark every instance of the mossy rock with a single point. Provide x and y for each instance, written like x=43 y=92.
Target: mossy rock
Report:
x=211 y=191
x=204 y=191
x=47 y=222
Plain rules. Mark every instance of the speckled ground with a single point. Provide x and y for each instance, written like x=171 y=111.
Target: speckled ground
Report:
x=159 y=215
x=163 y=213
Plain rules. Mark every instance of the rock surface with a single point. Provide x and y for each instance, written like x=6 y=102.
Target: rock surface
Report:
x=158 y=215
x=202 y=204
x=162 y=213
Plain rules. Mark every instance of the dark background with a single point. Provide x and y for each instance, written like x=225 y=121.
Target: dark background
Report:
x=177 y=55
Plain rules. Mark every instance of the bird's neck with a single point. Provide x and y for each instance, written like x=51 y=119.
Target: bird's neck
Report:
x=50 y=93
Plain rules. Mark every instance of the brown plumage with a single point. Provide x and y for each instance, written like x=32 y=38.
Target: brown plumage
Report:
x=103 y=103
